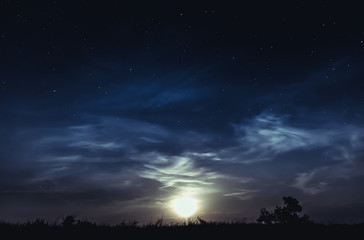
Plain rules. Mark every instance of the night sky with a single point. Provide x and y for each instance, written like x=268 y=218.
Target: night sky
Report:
x=109 y=110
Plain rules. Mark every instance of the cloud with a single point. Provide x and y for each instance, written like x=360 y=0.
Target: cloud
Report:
x=265 y=136
x=346 y=163
x=180 y=176
x=304 y=181
x=333 y=152
x=241 y=194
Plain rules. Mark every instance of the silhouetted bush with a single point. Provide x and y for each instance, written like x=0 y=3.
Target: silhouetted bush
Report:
x=288 y=214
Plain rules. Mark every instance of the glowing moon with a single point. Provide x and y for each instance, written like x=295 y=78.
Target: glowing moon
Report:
x=184 y=207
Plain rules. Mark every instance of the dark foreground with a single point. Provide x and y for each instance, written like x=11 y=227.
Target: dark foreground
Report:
x=205 y=230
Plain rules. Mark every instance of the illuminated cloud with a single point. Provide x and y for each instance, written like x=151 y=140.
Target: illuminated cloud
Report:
x=265 y=136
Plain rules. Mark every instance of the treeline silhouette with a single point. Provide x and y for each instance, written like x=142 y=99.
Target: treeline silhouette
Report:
x=283 y=223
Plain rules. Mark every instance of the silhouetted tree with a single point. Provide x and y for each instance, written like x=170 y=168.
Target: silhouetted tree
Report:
x=288 y=214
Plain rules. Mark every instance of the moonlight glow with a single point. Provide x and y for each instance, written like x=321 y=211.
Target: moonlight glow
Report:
x=184 y=207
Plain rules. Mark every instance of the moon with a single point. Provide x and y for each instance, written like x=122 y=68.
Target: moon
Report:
x=184 y=207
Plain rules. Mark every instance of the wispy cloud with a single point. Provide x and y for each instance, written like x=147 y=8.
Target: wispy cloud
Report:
x=241 y=194
x=304 y=182
x=180 y=176
x=345 y=163
x=265 y=136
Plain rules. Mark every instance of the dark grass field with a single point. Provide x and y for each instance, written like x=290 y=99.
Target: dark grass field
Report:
x=187 y=230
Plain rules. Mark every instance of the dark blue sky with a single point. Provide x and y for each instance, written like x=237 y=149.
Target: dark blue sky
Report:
x=111 y=110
